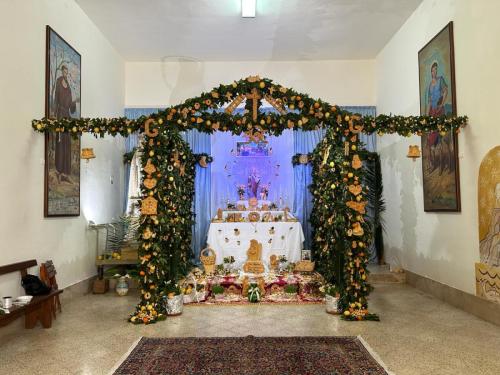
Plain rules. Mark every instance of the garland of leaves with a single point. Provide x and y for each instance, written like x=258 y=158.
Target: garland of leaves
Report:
x=128 y=156
x=341 y=235
x=165 y=250
x=296 y=159
x=208 y=158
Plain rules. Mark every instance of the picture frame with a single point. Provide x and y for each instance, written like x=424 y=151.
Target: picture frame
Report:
x=62 y=152
x=440 y=164
x=306 y=255
x=252 y=149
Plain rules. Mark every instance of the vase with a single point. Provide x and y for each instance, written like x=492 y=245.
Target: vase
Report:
x=291 y=295
x=174 y=305
x=219 y=297
x=122 y=286
x=332 y=303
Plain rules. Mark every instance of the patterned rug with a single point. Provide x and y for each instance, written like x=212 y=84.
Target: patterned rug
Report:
x=250 y=356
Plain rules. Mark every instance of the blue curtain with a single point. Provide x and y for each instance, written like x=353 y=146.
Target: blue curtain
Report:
x=200 y=143
x=305 y=142
x=131 y=142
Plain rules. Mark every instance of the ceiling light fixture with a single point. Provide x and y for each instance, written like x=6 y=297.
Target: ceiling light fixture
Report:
x=248 y=8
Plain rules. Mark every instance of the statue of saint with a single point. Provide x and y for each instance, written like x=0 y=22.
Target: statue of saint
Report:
x=253 y=183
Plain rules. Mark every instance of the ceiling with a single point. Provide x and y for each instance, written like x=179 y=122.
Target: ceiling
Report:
x=213 y=30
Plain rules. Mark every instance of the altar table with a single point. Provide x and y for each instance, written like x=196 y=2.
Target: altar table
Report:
x=279 y=238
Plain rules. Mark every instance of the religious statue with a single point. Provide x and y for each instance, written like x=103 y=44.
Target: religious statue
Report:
x=254 y=261
x=253 y=182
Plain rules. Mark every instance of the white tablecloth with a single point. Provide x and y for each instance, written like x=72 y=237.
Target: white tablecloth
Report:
x=287 y=240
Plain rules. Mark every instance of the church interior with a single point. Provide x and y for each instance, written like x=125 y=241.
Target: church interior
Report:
x=250 y=186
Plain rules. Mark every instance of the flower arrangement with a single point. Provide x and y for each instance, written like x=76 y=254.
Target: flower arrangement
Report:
x=356 y=311
x=229 y=260
x=172 y=289
x=264 y=191
x=330 y=290
x=241 y=188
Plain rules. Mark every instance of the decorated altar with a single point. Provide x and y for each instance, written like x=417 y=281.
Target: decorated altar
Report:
x=232 y=230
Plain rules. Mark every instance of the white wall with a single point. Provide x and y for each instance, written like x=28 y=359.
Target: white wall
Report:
x=24 y=232
x=441 y=246
x=159 y=84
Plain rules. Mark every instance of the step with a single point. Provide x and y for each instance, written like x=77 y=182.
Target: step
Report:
x=381 y=274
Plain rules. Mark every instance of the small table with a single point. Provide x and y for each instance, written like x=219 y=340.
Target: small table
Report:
x=101 y=263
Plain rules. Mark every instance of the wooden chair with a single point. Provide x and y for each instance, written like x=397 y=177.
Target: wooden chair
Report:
x=48 y=276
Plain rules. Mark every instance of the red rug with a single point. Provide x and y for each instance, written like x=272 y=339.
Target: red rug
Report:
x=250 y=356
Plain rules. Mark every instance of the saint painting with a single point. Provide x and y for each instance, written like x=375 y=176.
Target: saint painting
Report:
x=437 y=98
x=62 y=159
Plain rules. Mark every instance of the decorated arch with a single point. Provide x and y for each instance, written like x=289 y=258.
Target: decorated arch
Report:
x=341 y=234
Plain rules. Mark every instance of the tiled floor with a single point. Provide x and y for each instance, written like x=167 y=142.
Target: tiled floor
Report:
x=417 y=333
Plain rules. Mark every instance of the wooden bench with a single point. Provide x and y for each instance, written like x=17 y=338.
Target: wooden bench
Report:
x=39 y=309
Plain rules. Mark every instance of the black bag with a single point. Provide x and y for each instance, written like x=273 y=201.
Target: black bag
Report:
x=33 y=286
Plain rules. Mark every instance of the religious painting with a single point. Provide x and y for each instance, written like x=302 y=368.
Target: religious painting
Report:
x=252 y=149
x=305 y=255
x=488 y=271
x=437 y=98
x=62 y=152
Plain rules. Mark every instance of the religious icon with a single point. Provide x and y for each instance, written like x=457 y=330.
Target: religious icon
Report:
x=253 y=182
x=62 y=153
x=440 y=169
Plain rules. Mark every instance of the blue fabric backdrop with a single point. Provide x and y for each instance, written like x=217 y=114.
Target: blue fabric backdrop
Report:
x=200 y=143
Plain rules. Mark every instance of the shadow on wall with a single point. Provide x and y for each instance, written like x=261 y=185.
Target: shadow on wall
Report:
x=188 y=72
x=422 y=242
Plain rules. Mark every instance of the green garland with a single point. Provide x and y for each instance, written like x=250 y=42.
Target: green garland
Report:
x=296 y=159
x=128 y=156
x=209 y=159
x=165 y=250
x=341 y=235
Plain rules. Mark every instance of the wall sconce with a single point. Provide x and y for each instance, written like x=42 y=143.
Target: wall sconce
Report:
x=413 y=152
x=87 y=154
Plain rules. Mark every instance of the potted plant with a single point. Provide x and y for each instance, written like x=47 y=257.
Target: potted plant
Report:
x=254 y=293
x=282 y=261
x=218 y=292
x=331 y=298
x=201 y=294
x=219 y=269
x=188 y=292
x=291 y=291
x=174 y=301
x=228 y=264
